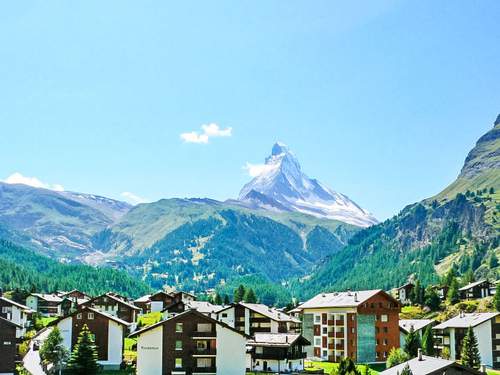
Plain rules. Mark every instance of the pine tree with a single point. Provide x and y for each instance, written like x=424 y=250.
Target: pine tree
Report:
x=496 y=298
x=412 y=343
x=470 y=356
x=406 y=370
x=83 y=359
x=347 y=367
x=239 y=294
x=217 y=299
x=250 y=296
x=453 y=296
x=226 y=299
x=53 y=350
x=469 y=276
x=428 y=341
x=493 y=260
x=432 y=300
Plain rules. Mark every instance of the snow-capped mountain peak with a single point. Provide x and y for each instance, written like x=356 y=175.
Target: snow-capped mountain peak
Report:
x=281 y=185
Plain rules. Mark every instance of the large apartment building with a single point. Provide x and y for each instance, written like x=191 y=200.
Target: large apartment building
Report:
x=190 y=343
x=252 y=318
x=363 y=325
x=486 y=326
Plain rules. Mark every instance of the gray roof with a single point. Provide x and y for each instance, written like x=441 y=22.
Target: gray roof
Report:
x=48 y=297
x=274 y=339
x=417 y=324
x=204 y=307
x=270 y=312
x=428 y=365
x=20 y=306
x=339 y=299
x=466 y=320
x=472 y=285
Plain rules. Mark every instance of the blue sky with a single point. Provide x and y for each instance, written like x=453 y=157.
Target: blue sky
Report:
x=380 y=100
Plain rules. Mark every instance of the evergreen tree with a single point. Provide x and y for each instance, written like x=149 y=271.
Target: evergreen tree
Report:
x=450 y=276
x=412 y=343
x=406 y=370
x=239 y=294
x=217 y=299
x=226 y=299
x=492 y=190
x=496 y=298
x=53 y=350
x=493 y=260
x=470 y=356
x=347 y=367
x=432 y=300
x=428 y=341
x=83 y=359
x=453 y=295
x=396 y=356
x=469 y=276
x=250 y=296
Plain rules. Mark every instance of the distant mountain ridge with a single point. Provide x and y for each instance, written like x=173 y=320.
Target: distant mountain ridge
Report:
x=282 y=186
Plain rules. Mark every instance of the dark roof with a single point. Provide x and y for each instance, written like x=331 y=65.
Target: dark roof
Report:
x=187 y=312
x=23 y=307
x=113 y=297
x=10 y=322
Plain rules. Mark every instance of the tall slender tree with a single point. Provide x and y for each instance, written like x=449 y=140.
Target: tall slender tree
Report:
x=218 y=299
x=226 y=299
x=496 y=298
x=250 y=296
x=53 y=350
x=412 y=343
x=239 y=294
x=83 y=359
x=469 y=356
x=347 y=367
x=453 y=295
x=428 y=341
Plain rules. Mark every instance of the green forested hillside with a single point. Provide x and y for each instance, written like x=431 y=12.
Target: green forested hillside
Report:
x=459 y=227
x=24 y=269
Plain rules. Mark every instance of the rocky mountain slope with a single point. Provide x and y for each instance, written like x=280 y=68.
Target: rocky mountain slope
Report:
x=282 y=186
x=59 y=223
x=457 y=228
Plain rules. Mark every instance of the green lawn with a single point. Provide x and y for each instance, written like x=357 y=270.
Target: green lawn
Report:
x=47 y=320
x=329 y=367
x=149 y=319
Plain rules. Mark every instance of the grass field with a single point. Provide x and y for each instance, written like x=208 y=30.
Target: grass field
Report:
x=47 y=320
x=149 y=319
x=329 y=367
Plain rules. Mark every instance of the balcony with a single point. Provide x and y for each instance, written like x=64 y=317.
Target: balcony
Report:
x=210 y=352
x=205 y=370
x=203 y=334
x=330 y=322
x=339 y=322
x=339 y=335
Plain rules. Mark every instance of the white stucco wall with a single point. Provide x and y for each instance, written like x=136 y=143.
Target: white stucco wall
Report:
x=149 y=352
x=156 y=306
x=453 y=354
x=247 y=321
x=231 y=352
x=32 y=302
x=66 y=326
x=483 y=335
x=274 y=326
x=115 y=345
x=229 y=319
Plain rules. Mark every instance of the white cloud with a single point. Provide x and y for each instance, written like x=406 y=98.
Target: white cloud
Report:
x=132 y=198
x=255 y=170
x=209 y=131
x=18 y=178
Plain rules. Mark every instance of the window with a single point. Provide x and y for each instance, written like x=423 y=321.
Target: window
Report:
x=201 y=345
x=385 y=354
x=325 y=330
x=204 y=327
x=384 y=318
x=203 y=362
x=224 y=315
x=178 y=345
x=378 y=343
x=79 y=316
x=385 y=342
x=317 y=341
x=353 y=330
x=7 y=343
x=385 y=330
x=178 y=328
x=178 y=362
x=6 y=309
x=372 y=305
x=259 y=350
x=377 y=318
x=317 y=319
x=377 y=330
x=380 y=304
x=325 y=353
x=353 y=317
x=90 y=316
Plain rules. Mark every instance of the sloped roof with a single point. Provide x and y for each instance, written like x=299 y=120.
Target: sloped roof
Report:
x=270 y=312
x=115 y=298
x=204 y=306
x=48 y=297
x=21 y=306
x=341 y=299
x=10 y=322
x=417 y=324
x=277 y=339
x=144 y=298
x=428 y=365
x=94 y=310
x=466 y=320
x=472 y=285
x=141 y=331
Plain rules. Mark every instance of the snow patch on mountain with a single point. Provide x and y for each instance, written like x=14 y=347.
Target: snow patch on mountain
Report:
x=281 y=185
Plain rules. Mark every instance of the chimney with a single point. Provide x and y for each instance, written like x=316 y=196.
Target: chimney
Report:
x=356 y=297
x=286 y=338
x=419 y=354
